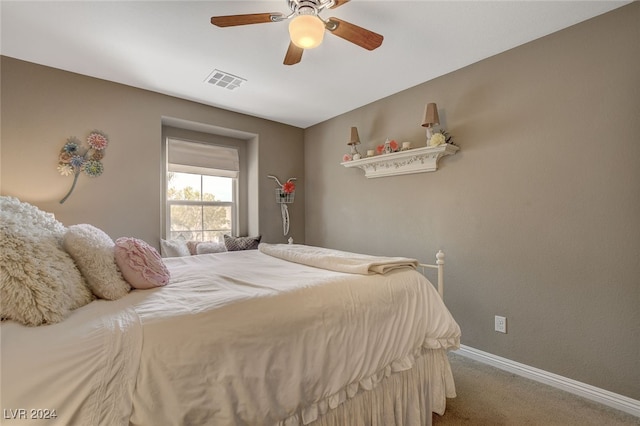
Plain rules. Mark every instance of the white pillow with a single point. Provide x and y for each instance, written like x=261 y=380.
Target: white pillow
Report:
x=39 y=283
x=94 y=253
x=210 y=247
x=174 y=248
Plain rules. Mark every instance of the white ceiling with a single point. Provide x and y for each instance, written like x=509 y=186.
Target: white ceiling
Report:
x=171 y=47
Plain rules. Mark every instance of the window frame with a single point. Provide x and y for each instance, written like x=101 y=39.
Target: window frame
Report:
x=166 y=231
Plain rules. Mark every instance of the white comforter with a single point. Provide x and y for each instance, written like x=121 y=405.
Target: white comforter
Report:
x=227 y=344
x=78 y=372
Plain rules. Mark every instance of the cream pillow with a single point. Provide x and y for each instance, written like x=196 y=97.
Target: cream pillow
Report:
x=93 y=251
x=39 y=282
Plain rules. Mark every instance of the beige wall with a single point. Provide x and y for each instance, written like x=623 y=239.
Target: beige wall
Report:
x=42 y=107
x=539 y=212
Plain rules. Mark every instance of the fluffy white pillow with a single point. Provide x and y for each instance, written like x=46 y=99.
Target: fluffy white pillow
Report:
x=93 y=251
x=174 y=248
x=39 y=282
x=17 y=214
x=140 y=263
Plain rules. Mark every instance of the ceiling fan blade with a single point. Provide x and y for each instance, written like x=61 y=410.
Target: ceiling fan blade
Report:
x=252 y=18
x=338 y=3
x=355 y=34
x=293 y=55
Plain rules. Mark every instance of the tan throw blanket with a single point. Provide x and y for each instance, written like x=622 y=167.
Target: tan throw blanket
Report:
x=336 y=260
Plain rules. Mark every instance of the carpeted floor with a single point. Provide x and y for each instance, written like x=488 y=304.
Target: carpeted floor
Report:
x=490 y=396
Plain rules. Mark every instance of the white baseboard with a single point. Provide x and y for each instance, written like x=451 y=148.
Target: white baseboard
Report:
x=610 y=399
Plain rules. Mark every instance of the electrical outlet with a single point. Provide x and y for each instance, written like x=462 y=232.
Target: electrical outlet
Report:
x=501 y=324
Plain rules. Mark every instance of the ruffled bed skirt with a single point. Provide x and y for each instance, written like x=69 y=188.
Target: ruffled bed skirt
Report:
x=404 y=398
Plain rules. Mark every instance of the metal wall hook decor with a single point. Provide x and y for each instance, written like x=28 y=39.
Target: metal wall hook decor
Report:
x=285 y=194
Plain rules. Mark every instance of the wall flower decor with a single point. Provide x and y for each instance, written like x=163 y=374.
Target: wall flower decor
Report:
x=76 y=157
x=285 y=195
x=288 y=188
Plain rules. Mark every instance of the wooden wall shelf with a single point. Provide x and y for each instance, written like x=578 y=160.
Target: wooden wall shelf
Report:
x=418 y=160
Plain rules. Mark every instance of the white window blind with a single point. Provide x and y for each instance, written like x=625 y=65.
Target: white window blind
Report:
x=202 y=159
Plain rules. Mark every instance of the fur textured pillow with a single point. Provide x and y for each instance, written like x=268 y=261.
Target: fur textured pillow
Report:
x=140 y=263
x=241 y=243
x=16 y=214
x=39 y=283
x=93 y=251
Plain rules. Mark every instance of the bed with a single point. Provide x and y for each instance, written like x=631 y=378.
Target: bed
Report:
x=283 y=335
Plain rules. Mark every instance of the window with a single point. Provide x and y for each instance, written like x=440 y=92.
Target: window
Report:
x=201 y=190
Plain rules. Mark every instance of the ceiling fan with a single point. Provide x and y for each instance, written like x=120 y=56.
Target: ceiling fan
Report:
x=307 y=27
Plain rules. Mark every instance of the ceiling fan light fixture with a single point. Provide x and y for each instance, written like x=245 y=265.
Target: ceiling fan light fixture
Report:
x=306 y=31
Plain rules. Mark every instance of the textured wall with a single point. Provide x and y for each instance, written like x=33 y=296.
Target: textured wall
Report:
x=539 y=212
x=42 y=107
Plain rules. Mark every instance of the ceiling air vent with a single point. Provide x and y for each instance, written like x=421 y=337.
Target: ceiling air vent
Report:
x=224 y=79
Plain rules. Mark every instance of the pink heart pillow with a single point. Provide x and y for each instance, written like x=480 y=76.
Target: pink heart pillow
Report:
x=140 y=264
